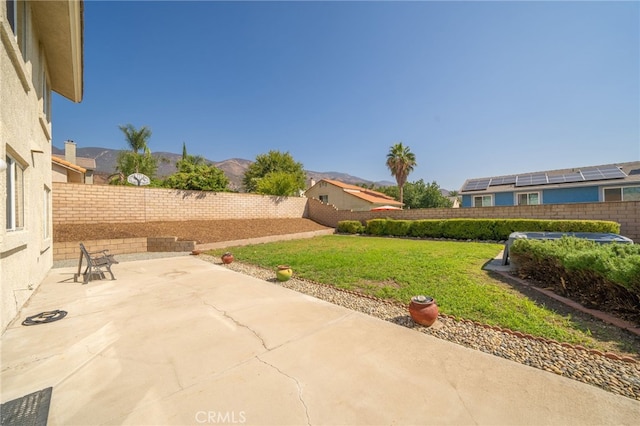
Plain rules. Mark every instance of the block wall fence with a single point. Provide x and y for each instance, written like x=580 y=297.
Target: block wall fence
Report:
x=79 y=203
x=626 y=213
x=83 y=204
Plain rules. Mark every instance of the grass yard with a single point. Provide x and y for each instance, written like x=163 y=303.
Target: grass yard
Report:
x=397 y=269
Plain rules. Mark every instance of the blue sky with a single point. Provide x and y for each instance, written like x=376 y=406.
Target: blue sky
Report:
x=474 y=89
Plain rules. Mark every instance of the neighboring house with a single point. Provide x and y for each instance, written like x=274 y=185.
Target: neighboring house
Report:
x=610 y=182
x=349 y=197
x=71 y=168
x=66 y=171
x=42 y=51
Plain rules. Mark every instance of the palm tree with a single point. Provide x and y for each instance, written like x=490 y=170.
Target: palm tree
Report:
x=133 y=161
x=400 y=161
x=136 y=138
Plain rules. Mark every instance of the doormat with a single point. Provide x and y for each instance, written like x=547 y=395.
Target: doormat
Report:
x=30 y=410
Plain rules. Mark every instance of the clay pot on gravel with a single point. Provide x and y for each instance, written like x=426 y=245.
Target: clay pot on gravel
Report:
x=227 y=258
x=423 y=310
x=283 y=273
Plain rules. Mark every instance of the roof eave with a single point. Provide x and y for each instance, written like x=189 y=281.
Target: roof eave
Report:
x=60 y=26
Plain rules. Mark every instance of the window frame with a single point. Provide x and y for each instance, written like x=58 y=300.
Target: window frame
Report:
x=621 y=191
x=15 y=202
x=46 y=211
x=528 y=194
x=12 y=15
x=324 y=198
x=490 y=196
x=46 y=91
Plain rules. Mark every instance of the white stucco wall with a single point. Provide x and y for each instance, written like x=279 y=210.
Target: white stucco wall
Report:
x=25 y=254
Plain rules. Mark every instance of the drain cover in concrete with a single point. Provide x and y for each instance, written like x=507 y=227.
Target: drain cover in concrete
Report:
x=30 y=410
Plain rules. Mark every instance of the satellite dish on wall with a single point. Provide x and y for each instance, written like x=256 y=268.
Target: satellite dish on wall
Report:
x=138 y=179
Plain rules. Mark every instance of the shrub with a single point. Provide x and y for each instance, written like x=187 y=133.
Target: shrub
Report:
x=398 y=228
x=426 y=228
x=350 y=227
x=376 y=227
x=606 y=276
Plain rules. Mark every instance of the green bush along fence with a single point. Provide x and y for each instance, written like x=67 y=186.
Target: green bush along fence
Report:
x=472 y=229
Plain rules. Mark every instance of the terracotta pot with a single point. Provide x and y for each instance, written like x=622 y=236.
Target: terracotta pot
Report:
x=423 y=310
x=284 y=272
x=227 y=258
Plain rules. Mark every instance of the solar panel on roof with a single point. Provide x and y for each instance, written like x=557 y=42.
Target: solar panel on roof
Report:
x=504 y=180
x=612 y=172
x=531 y=179
x=566 y=178
x=603 y=173
x=573 y=177
x=476 y=185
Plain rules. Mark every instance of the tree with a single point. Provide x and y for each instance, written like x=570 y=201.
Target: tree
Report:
x=278 y=183
x=197 y=177
x=136 y=138
x=400 y=161
x=271 y=167
x=138 y=159
x=195 y=174
x=432 y=197
x=418 y=195
x=196 y=160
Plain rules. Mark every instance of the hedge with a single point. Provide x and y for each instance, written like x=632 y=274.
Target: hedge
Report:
x=475 y=229
x=606 y=276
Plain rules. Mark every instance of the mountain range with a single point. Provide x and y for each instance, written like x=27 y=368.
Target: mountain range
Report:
x=233 y=168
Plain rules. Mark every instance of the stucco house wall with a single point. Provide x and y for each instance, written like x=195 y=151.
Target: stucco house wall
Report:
x=30 y=67
x=337 y=197
x=348 y=197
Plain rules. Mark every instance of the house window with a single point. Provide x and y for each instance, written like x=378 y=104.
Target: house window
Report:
x=483 y=201
x=629 y=193
x=324 y=199
x=15 y=195
x=46 y=93
x=23 y=27
x=17 y=15
x=12 y=13
x=529 y=199
x=46 y=211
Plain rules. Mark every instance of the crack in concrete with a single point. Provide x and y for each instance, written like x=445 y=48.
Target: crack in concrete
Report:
x=239 y=324
x=298 y=386
x=453 y=385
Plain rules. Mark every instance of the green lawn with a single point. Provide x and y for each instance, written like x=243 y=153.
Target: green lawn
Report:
x=396 y=269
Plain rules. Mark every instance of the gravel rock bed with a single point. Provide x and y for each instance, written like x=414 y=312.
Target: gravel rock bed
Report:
x=619 y=376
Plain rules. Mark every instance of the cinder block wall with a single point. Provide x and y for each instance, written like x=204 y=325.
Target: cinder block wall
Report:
x=626 y=213
x=82 y=204
x=79 y=203
x=71 y=250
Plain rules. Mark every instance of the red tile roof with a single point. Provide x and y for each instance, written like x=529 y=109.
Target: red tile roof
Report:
x=67 y=164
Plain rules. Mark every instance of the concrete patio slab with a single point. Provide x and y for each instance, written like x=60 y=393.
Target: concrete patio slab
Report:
x=182 y=341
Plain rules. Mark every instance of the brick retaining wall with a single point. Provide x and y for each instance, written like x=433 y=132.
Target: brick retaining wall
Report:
x=79 y=203
x=71 y=250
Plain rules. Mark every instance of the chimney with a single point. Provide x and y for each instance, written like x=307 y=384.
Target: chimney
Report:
x=312 y=182
x=70 y=151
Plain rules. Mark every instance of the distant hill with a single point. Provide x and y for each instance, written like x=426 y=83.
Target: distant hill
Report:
x=233 y=168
